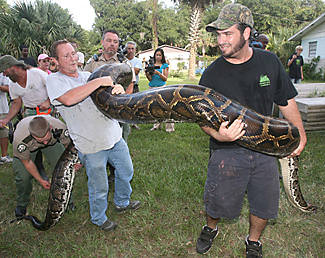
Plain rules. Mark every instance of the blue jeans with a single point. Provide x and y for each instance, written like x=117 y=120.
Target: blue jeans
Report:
x=95 y=164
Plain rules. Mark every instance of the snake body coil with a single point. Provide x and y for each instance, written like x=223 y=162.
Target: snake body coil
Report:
x=60 y=191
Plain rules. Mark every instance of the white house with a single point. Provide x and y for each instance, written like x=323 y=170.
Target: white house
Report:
x=312 y=39
x=173 y=55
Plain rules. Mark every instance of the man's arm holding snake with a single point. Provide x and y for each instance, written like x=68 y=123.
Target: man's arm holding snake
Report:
x=225 y=133
x=291 y=113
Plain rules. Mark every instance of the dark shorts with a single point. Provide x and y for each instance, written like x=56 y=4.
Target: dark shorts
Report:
x=232 y=172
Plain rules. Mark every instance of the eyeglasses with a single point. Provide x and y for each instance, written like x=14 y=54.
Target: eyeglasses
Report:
x=67 y=56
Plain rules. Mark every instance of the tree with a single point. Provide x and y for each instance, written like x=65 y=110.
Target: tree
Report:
x=37 y=26
x=154 y=24
x=272 y=15
x=133 y=21
x=282 y=19
x=198 y=7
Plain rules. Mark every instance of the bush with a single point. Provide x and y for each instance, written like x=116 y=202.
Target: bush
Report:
x=310 y=72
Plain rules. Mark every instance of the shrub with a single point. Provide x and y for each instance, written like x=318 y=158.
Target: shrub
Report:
x=310 y=72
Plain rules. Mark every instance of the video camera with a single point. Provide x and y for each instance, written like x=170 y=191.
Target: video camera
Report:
x=121 y=52
x=150 y=66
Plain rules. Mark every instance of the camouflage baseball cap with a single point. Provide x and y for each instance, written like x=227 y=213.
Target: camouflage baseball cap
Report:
x=230 y=15
x=8 y=61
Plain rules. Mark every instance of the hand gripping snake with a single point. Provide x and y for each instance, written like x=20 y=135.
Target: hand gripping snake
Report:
x=181 y=103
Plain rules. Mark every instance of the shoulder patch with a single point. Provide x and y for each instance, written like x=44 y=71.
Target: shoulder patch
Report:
x=66 y=133
x=21 y=147
x=28 y=139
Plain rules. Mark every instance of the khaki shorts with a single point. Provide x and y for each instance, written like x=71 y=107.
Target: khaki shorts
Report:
x=3 y=131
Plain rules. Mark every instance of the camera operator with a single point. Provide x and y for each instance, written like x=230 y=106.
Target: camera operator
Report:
x=157 y=73
x=157 y=76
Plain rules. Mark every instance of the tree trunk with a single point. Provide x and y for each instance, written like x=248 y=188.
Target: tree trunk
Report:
x=154 y=25
x=196 y=17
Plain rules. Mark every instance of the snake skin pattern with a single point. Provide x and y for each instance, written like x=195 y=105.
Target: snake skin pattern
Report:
x=289 y=169
x=60 y=191
x=194 y=104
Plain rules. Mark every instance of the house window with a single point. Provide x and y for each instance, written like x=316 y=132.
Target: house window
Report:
x=312 y=49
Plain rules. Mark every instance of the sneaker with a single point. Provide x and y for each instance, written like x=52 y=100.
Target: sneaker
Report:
x=136 y=126
x=156 y=127
x=6 y=159
x=253 y=249
x=108 y=225
x=204 y=242
x=134 y=205
x=20 y=211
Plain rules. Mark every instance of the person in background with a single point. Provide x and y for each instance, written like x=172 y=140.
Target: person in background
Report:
x=4 y=109
x=54 y=67
x=295 y=63
x=263 y=39
x=157 y=78
x=256 y=79
x=81 y=60
x=24 y=56
x=136 y=63
x=44 y=63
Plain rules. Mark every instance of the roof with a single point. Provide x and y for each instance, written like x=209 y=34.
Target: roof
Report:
x=163 y=46
x=298 y=36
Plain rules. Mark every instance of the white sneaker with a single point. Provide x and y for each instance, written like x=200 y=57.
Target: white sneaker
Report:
x=6 y=159
x=155 y=127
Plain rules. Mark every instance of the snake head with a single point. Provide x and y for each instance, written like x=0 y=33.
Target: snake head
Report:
x=121 y=73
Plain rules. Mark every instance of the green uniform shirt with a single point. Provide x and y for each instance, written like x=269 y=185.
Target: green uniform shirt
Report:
x=24 y=143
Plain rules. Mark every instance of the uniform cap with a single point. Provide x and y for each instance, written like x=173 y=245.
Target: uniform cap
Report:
x=230 y=15
x=8 y=61
x=38 y=126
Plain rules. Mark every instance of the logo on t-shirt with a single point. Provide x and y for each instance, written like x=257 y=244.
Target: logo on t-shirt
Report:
x=264 y=81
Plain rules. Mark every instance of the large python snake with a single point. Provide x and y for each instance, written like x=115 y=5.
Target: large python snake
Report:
x=182 y=103
x=60 y=191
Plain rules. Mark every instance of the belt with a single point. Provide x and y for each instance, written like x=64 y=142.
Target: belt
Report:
x=39 y=111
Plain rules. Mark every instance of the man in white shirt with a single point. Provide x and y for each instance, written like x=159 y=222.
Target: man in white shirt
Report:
x=131 y=48
x=27 y=87
x=97 y=138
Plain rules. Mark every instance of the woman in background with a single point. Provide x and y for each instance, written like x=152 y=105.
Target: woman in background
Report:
x=158 y=77
x=44 y=63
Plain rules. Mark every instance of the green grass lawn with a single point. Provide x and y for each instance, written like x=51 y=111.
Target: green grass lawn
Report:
x=170 y=171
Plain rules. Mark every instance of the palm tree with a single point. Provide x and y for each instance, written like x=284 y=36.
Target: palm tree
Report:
x=37 y=26
x=154 y=24
x=198 y=7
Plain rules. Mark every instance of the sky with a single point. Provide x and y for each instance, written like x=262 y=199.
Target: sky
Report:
x=81 y=10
